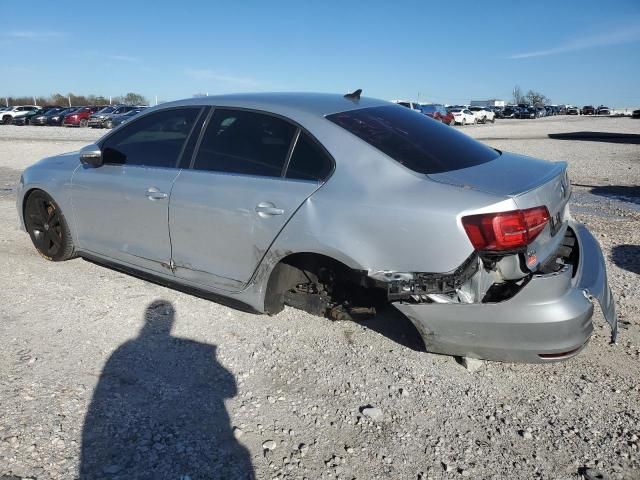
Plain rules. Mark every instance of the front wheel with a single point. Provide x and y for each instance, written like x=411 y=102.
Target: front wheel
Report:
x=84 y=122
x=7 y=119
x=475 y=121
x=47 y=227
x=452 y=123
x=464 y=121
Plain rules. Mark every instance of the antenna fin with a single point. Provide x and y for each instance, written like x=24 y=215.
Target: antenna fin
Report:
x=355 y=96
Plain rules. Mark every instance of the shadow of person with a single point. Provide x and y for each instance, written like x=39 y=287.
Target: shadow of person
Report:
x=158 y=411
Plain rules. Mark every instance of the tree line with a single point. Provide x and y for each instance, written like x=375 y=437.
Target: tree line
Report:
x=131 y=98
x=531 y=97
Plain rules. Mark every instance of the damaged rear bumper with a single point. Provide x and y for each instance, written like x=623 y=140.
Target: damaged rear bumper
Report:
x=548 y=320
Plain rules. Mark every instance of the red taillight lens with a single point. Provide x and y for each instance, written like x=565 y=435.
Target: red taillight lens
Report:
x=505 y=230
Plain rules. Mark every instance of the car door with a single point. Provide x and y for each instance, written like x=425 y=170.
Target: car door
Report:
x=121 y=208
x=249 y=175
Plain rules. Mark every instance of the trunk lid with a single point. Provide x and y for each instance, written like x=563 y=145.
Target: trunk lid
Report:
x=531 y=183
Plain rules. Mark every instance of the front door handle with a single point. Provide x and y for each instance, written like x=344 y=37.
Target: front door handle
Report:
x=154 y=194
x=268 y=209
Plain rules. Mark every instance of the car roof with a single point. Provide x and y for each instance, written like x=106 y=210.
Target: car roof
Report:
x=284 y=103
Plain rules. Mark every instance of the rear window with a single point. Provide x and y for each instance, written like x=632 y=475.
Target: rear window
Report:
x=414 y=140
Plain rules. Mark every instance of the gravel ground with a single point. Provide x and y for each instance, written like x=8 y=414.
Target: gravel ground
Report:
x=122 y=378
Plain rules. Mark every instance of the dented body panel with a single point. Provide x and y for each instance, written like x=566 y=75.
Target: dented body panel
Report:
x=549 y=319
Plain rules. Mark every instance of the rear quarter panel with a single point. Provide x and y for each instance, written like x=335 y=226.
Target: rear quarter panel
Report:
x=374 y=214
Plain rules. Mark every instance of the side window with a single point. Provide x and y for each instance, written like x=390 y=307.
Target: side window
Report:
x=246 y=143
x=154 y=140
x=309 y=161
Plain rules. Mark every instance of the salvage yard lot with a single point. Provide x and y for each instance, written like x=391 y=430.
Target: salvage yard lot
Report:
x=302 y=381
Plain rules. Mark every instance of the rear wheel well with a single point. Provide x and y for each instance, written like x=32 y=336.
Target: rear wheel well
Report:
x=319 y=285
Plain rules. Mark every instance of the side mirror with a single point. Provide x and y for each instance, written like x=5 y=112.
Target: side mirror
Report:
x=91 y=155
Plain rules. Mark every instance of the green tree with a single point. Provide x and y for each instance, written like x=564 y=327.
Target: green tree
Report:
x=134 y=99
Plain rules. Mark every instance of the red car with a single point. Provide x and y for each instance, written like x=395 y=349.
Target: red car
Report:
x=80 y=117
x=438 y=112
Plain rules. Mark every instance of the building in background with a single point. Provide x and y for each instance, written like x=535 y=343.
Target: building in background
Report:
x=488 y=103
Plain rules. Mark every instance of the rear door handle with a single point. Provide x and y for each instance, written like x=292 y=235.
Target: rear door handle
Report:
x=154 y=194
x=268 y=209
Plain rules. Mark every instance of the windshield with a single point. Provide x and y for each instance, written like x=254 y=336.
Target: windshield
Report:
x=429 y=108
x=106 y=110
x=415 y=141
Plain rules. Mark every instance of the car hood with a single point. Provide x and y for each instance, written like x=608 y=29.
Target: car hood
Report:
x=509 y=174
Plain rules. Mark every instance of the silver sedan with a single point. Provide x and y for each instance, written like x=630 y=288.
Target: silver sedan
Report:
x=335 y=205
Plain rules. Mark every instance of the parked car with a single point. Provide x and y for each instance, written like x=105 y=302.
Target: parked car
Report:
x=571 y=110
x=101 y=117
x=15 y=112
x=483 y=114
x=498 y=111
x=602 y=110
x=43 y=118
x=80 y=117
x=510 y=111
x=438 y=112
x=526 y=112
x=635 y=113
x=56 y=118
x=463 y=116
x=540 y=112
x=29 y=117
x=588 y=110
x=117 y=120
x=489 y=264
x=409 y=104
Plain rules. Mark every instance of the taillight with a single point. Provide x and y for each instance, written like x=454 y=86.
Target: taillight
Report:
x=505 y=230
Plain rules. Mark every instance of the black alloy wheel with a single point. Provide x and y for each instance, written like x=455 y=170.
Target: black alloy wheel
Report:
x=47 y=227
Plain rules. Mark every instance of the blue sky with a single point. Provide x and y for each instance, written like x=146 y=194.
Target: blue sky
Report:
x=579 y=52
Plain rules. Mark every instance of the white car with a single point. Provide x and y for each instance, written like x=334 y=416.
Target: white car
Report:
x=409 y=104
x=9 y=115
x=483 y=114
x=463 y=116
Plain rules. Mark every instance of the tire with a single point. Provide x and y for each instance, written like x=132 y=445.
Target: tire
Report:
x=475 y=121
x=7 y=119
x=464 y=121
x=84 y=122
x=493 y=120
x=109 y=124
x=452 y=123
x=47 y=227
